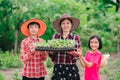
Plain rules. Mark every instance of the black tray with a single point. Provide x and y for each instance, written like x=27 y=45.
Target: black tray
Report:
x=54 y=49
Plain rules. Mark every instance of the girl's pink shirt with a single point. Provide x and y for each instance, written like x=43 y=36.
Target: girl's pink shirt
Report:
x=92 y=73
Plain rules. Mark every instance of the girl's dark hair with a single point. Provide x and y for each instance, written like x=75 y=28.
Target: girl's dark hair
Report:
x=64 y=19
x=99 y=40
x=32 y=23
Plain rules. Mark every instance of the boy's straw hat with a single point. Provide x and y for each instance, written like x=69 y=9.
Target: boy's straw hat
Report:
x=25 y=30
x=75 y=22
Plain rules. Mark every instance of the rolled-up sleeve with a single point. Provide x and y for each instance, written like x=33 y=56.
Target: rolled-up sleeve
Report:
x=43 y=55
x=24 y=52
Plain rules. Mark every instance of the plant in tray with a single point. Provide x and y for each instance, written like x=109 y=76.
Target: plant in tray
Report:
x=57 y=44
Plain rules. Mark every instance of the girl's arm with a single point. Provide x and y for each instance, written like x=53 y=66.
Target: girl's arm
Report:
x=82 y=59
x=84 y=62
x=104 y=60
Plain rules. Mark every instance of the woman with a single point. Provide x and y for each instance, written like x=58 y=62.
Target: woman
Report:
x=65 y=67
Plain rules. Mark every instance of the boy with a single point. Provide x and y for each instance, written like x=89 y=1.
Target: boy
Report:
x=34 y=68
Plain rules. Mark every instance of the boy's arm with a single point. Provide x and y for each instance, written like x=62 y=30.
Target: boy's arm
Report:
x=25 y=53
x=43 y=55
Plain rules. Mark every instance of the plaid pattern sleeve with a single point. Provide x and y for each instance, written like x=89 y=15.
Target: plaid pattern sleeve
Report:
x=24 y=50
x=33 y=63
x=63 y=57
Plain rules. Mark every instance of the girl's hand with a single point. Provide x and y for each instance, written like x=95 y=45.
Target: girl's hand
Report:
x=79 y=52
x=104 y=60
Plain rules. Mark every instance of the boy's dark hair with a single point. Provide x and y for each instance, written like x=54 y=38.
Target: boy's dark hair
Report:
x=99 y=40
x=32 y=23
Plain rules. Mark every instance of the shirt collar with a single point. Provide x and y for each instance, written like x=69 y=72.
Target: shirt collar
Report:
x=34 y=39
x=70 y=35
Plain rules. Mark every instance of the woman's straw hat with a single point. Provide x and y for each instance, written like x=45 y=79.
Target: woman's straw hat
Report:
x=57 y=25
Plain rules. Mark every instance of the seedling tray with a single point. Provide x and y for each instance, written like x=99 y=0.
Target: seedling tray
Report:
x=54 y=49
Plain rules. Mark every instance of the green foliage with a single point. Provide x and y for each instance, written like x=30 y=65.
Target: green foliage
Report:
x=8 y=60
x=117 y=76
x=49 y=63
x=96 y=16
x=2 y=77
x=57 y=43
x=16 y=76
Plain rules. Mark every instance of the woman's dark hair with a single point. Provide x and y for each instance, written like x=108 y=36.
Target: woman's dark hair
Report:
x=65 y=19
x=99 y=40
x=32 y=23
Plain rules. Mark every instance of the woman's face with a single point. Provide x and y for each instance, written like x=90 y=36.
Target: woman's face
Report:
x=33 y=29
x=66 y=25
x=94 y=44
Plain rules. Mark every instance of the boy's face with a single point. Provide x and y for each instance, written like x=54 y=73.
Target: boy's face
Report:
x=33 y=29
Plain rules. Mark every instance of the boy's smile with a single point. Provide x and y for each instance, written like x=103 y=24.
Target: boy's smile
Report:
x=34 y=29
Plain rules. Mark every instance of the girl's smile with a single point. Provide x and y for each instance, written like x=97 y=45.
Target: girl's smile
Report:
x=94 y=44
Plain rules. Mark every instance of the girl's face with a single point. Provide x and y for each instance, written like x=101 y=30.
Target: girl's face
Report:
x=66 y=25
x=94 y=44
x=33 y=29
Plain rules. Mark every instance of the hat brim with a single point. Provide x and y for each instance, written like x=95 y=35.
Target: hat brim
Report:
x=25 y=30
x=57 y=26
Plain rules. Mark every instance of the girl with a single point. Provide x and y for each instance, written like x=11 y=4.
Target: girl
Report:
x=93 y=59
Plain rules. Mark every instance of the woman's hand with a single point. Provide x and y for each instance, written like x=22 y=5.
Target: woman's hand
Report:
x=71 y=52
x=50 y=52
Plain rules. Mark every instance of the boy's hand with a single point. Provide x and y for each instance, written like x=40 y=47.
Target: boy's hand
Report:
x=32 y=49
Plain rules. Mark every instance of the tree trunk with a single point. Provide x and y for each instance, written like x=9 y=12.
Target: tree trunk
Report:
x=118 y=46
x=118 y=41
x=16 y=42
x=118 y=6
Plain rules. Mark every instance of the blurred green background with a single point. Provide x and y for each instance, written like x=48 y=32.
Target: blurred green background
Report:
x=96 y=17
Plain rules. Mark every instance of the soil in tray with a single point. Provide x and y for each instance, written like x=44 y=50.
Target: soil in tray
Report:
x=54 y=49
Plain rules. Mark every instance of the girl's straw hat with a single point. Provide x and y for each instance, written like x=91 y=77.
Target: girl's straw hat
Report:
x=57 y=25
x=25 y=30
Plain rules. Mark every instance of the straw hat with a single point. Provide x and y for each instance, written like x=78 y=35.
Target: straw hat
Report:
x=25 y=30
x=75 y=22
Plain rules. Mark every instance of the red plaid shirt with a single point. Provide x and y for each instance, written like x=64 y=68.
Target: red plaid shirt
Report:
x=33 y=63
x=63 y=57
